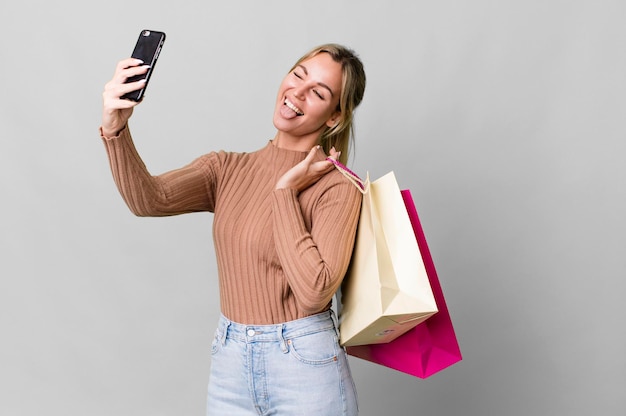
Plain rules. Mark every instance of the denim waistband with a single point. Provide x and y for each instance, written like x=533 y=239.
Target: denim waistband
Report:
x=276 y=332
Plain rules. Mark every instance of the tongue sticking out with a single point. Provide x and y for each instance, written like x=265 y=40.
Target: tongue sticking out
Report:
x=287 y=112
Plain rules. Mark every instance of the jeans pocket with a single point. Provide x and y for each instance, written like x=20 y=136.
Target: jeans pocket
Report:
x=317 y=348
x=216 y=344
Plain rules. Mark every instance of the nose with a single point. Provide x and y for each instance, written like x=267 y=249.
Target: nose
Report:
x=298 y=93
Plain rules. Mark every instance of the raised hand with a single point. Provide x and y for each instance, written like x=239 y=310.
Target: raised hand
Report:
x=307 y=172
x=115 y=110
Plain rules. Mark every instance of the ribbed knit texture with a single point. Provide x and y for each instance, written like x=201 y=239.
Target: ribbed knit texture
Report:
x=281 y=255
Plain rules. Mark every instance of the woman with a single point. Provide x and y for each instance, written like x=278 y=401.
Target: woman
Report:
x=284 y=229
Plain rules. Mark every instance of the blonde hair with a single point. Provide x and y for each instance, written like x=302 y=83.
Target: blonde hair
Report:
x=341 y=136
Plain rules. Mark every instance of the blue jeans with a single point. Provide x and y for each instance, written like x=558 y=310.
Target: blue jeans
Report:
x=294 y=368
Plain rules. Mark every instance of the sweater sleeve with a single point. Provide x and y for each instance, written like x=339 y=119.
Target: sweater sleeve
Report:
x=315 y=262
x=188 y=189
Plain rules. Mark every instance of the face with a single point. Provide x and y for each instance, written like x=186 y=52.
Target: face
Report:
x=308 y=98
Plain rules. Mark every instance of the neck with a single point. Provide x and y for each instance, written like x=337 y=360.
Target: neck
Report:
x=298 y=143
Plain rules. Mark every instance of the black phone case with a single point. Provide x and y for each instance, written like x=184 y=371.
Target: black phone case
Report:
x=147 y=48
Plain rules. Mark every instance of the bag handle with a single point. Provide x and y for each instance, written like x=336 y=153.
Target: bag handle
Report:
x=352 y=177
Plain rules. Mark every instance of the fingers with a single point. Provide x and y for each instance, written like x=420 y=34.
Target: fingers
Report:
x=327 y=165
x=124 y=74
x=334 y=154
x=315 y=168
x=307 y=172
x=118 y=85
x=115 y=110
x=127 y=63
x=124 y=70
x=114 y=90
x=127 y=68
x=311 y=156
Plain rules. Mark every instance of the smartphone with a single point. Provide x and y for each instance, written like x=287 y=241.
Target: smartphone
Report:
x=147 y=48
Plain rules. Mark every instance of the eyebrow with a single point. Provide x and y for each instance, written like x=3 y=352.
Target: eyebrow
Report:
x=321 y=84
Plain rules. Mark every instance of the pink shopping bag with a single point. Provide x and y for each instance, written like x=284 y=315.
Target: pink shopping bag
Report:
x=432 y=345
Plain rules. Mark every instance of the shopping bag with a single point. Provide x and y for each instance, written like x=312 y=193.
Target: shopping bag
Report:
x=386 y=291
x=430 y=346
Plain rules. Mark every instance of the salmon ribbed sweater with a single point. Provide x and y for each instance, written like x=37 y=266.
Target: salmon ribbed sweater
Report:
x=281 y=255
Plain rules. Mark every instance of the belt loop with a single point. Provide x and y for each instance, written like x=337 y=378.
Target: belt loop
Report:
x=283 y=344
x=226 y=326
x=333 y=316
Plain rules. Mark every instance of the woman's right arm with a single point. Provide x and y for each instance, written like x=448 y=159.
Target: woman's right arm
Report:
x=188 y=189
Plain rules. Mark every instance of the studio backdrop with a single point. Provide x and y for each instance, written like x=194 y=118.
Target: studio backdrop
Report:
x=504 y=119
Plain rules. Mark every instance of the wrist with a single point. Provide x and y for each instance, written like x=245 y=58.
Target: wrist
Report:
x=109 y=134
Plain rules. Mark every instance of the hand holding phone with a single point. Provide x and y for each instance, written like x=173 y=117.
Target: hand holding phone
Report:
x=147 y=49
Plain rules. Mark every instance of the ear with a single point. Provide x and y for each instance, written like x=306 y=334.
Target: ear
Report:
x=334 y=119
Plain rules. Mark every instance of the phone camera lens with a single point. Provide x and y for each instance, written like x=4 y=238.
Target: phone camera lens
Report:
x=146 y=33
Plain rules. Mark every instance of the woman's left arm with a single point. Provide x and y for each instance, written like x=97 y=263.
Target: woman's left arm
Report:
x=315 y=261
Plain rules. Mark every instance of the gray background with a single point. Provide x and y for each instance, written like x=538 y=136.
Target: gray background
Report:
x=504 y=118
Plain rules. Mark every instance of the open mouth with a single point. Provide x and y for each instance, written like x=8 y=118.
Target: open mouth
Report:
x=293 y=107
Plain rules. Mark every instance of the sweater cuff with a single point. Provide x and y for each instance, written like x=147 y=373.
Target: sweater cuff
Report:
x=286 y=196
x=287 y=206
x=119 y=133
